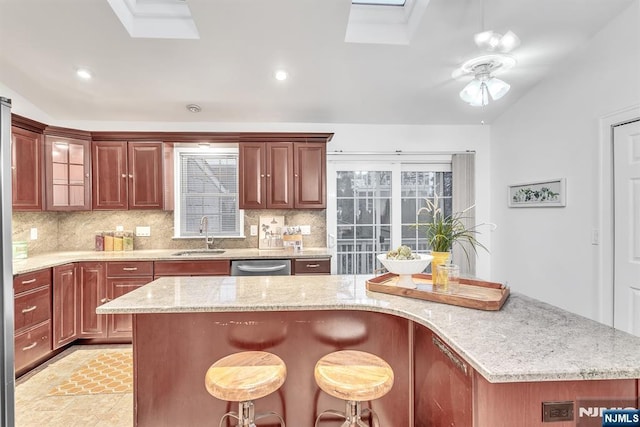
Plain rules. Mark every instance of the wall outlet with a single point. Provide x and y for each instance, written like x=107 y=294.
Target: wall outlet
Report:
x=254 y=230
x=305 y=229
x=143 y=231
x=119 y=228
x=557 y=411
x=34 y=234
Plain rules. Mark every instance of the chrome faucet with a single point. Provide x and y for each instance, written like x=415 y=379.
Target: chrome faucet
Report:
x=204 y=226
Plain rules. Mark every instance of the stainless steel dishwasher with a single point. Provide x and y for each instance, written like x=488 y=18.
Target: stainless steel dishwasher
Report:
x=261 y=267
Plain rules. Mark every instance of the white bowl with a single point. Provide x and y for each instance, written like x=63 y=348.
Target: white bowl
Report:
x=405 y=268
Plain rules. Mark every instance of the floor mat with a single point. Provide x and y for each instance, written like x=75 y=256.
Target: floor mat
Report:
x=110 y=372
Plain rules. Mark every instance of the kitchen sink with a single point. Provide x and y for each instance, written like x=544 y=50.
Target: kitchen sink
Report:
x=201 y=252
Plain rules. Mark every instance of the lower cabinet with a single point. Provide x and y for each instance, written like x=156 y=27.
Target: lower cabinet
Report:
x=32 y=318
x=217 y=267
x=122 y=278
x=92 y=291
x=312 y=266
x=65 y=305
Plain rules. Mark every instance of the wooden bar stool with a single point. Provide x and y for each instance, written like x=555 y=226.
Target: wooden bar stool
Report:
x=355 y=377
x=244 y=377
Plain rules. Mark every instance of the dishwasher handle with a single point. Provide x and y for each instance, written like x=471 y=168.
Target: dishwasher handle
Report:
x=253 y=269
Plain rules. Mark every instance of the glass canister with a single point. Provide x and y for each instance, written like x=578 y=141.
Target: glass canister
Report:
x=108 y=240
x=99 y=241
x=127 y=241
x=118 y=237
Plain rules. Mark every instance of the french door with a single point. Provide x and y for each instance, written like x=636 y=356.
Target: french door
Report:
x=627 y=227
x=371 y=208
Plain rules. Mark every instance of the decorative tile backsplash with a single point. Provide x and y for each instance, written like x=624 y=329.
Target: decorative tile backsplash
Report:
x=75 y=231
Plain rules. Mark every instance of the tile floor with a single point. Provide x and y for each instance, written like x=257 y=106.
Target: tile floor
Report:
x=36 y=408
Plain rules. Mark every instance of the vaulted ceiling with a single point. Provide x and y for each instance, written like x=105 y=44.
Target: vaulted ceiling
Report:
x=229 y=70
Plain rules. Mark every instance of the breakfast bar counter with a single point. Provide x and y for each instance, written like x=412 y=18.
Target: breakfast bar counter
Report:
x=452 y=364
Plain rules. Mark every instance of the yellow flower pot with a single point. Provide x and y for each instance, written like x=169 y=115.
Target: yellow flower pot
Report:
x=439 y=258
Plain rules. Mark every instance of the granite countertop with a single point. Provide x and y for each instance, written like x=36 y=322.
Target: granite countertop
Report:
x=53 y=259
x=527 y=340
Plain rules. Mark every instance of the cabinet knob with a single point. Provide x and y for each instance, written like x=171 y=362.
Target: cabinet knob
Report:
x=262 y=176
x=124 y=175
x=86 y=175
x=131 y=176
x=103 y=300
x=268 y=175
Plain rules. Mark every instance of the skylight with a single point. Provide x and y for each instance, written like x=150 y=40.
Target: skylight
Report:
x=166 y=19
x=371 y=23
x=380 y=2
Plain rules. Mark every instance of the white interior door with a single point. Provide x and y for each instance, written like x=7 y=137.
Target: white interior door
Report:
x=626 y=160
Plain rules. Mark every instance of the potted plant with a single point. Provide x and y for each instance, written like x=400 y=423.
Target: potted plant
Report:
x=443 y=231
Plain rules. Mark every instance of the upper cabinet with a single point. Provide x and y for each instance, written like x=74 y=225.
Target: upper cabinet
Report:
x=310 y=175
x=127 y=175
x=67 y=172
x=282 y=175
x=26 y=169
x=266 y=175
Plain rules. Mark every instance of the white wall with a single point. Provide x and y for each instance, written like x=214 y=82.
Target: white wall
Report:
x=551 y=133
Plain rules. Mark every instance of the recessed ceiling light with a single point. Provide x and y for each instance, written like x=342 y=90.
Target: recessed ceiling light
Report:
x=281 y=75
x=194 y=108
x=83 y=73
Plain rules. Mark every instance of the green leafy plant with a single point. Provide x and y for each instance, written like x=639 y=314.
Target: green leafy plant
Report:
x=443 y=231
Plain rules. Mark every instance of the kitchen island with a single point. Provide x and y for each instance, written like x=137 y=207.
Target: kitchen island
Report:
x=453 y=365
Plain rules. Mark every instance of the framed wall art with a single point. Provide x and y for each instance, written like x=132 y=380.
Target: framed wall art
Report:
x=551 y=193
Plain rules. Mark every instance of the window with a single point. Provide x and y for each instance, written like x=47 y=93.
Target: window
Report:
x=376 y=208
x=207 y=185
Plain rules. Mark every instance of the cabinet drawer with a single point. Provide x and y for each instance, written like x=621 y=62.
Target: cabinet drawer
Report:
x=312 y=266
x=28 y=281
x=32 y=344
x=192 y=268
x=32 y=307
x=128 y=269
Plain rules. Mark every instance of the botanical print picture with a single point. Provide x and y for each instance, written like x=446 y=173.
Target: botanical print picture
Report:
x=538 y=194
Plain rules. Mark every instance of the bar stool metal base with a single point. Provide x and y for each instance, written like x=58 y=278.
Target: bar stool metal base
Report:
x=246 y=415
x=352 y=415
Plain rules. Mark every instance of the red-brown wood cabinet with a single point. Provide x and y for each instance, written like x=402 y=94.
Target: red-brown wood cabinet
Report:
x=92 y=291
x=26 y=169
x=282 y=175
x=67 y=173
x=124 y=277
x=310 y=175
x=32 y=318
x=127 y=175
x=65 y=305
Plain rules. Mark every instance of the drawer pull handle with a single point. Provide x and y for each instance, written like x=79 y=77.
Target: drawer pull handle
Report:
x=30 y=346
x=313 y=265
x=27 y=310
x=130 y=268
x=454 y=359
x=26 y=282
x=103 y=300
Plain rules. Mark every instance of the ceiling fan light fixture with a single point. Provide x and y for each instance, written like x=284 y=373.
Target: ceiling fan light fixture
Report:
x=478 y=91
x=497 y=88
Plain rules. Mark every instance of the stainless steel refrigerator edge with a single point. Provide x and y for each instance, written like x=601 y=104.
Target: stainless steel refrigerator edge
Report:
x=7 y=392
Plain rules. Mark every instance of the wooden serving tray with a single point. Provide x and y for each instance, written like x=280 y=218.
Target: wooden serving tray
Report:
x=472 y=293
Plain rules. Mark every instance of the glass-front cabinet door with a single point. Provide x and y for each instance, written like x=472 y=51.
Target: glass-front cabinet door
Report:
x=68 y=179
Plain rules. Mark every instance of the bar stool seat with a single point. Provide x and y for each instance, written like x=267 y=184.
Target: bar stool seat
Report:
x=353 y=376
x=244 y=377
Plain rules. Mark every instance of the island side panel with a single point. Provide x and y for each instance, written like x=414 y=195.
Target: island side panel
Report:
x=173 y=351
x=443 y=383
x=520 y=404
